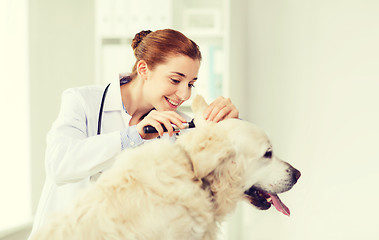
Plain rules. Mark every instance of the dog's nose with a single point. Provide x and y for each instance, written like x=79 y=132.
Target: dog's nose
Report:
x=296 y=174
x=293 y=173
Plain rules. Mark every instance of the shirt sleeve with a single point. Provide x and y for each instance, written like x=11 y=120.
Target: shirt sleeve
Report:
x=71 y=154
x=130 y=138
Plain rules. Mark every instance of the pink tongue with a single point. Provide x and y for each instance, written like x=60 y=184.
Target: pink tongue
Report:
x=279 y=205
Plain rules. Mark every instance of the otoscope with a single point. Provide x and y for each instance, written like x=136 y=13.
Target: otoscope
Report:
x=151 y=129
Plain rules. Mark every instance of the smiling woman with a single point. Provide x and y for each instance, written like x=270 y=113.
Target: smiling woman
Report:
x=15 y=176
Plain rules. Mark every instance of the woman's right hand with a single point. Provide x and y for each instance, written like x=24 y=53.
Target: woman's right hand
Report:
x=156 y=118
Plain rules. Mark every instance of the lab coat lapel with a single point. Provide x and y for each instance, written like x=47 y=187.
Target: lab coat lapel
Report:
x=113 y=101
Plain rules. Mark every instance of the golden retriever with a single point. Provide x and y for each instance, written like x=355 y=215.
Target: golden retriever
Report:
x=182 y=190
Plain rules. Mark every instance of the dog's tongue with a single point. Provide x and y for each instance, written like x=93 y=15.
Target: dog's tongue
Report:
x=279 y=205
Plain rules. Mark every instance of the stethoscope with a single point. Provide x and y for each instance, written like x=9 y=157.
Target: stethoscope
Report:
x=123 y=80
x=94 y=177
x=101 y=110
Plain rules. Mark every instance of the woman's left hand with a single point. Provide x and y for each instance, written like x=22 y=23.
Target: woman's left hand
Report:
x=220 y=109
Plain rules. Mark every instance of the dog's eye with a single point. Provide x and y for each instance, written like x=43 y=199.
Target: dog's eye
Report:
x=268 y=153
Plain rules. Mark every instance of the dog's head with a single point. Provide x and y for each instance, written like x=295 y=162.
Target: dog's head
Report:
x=236 y=159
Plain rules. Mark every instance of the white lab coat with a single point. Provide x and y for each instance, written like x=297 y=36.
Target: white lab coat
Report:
x=74 y=150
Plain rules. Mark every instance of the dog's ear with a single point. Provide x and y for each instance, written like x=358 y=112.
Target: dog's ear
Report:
x=207 y=147
x=198 y=107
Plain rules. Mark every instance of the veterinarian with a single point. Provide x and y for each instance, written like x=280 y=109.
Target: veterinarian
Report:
x=96 y=122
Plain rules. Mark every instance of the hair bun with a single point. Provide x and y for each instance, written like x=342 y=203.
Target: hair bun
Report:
x=138 y=38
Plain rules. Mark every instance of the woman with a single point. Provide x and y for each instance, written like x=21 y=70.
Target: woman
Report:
x=166 y=68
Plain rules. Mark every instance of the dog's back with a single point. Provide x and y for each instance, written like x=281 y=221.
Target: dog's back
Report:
x=150 y=193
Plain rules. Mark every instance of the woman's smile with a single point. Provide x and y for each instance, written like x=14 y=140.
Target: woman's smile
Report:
x=173 y=104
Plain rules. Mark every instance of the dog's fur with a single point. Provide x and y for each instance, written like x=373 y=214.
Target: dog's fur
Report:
x=181 y=190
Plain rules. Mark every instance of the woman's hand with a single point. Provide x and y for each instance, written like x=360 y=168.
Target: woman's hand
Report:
x=156 y=118
x=220 y=109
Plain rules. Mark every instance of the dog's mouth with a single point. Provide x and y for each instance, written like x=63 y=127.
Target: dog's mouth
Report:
x=263 y=200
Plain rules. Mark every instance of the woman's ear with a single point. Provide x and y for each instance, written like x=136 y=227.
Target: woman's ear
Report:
x=142 y=69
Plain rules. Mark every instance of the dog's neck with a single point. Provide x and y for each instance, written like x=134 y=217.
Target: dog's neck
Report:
x=205 y=184
x=222 y=203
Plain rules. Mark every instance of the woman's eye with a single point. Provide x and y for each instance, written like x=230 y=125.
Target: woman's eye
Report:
x=174 y=80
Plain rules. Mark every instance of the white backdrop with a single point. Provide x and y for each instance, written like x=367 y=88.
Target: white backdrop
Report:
x=313 y=84
x=15 y=206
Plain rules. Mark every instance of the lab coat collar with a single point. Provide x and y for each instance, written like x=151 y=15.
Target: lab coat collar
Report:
x=113 y=100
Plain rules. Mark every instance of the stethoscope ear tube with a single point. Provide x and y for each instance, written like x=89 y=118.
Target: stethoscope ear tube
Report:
x=101 y=110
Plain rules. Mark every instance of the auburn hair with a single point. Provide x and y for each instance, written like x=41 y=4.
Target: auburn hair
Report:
x=156 y=47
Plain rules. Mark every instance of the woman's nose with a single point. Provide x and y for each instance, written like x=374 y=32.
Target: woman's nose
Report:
x=184 y=92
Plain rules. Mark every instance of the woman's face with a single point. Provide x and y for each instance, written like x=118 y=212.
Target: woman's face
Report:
x=169 y=84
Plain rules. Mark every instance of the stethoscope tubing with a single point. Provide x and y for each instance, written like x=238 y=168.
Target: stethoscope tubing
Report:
x=101 y=109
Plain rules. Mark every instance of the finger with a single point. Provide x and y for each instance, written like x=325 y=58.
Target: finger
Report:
x=177 y=123
x=140 y=129
x=155 y=120
x=233 y=114
x=169 y=127
x=168 y=119
x=227 y=112
x=221 y=115
x=207 y=112
x=162 y=119
x=175 y=115
x=214 y=112
x=230 y=115
x=157 y=125
x=216 y=106
x=175 y=119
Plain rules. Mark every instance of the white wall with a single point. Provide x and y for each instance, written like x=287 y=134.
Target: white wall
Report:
x=238 y=43
x=15 y=207
x=313 y=86
x=61 y=56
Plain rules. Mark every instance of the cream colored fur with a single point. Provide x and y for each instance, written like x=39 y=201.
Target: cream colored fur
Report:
x=164 y=190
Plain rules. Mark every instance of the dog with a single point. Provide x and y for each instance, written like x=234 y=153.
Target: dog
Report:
x=180 y=190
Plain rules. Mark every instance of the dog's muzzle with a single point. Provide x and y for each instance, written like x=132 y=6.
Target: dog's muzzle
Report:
x=263 y=199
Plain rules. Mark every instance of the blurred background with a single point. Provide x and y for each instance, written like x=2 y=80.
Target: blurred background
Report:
x=306 y=71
